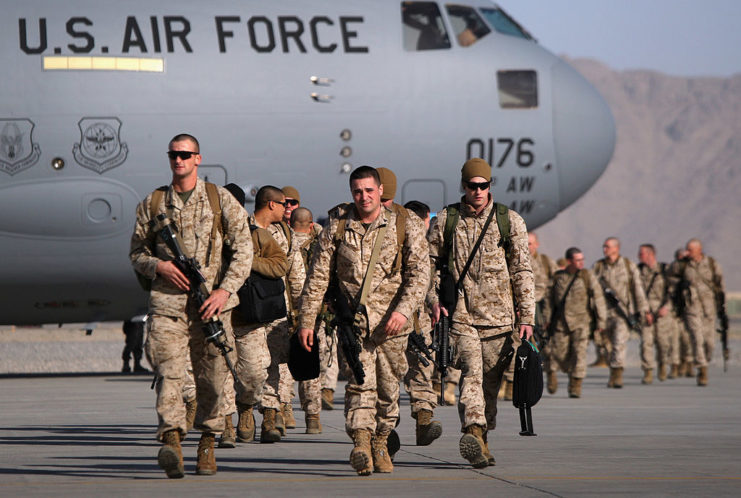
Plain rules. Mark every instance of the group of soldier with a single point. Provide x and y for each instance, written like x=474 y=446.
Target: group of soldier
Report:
x=392 y=264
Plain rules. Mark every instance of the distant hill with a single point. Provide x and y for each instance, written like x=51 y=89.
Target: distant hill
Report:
x=675 y=174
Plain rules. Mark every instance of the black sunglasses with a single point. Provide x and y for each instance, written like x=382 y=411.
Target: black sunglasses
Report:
x=478 y=185
x=182 y=154
x=292 y=202
x=282 y=203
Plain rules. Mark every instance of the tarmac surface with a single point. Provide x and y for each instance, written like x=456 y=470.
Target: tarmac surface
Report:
x=73 y=435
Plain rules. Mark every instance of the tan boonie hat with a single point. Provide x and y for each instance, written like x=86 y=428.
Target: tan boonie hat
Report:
x=476 y=167
x=388 y=180
x=291 y=193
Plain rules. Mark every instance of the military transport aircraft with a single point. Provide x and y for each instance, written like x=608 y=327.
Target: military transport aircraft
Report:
x=285 y=93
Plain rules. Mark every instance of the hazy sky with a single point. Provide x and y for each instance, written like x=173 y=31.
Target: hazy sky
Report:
x=678 y=37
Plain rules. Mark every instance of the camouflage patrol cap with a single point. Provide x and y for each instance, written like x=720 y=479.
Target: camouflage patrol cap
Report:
x=388 y=180
x=475 y=167
x=291 y=192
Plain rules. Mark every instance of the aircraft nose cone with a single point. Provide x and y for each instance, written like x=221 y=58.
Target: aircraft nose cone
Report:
x=583 y=131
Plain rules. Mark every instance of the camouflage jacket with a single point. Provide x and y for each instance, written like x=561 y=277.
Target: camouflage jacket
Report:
x=705 y=279
x=194 y=221
x=543 y=270
x=619 y=276
x=347 y=261
x=582 y=302
x=657 y=285
x=486 y=299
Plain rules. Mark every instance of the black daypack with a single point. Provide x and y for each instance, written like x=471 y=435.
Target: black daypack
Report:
x=262 y=299
x=303 y=365
x=528 y=384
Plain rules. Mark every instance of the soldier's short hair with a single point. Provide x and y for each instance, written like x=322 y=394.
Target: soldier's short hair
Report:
x=650 y=247
x=301 y=217
x=266 y=194
x=694 y=241
x=419 y=208
x=613 y=239
x=571 y=252
x=365 y=172
x=182 y=137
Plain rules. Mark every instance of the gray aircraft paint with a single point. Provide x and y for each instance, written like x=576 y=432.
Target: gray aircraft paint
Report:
x=261 y=119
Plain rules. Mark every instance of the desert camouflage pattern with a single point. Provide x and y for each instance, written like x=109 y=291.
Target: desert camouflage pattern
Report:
x=619 y=276
x=567 y=348
x=544 y=268
x=656 y=339
x=175 y=335
x=486 y=302
x=418 y=379
x=194 y=220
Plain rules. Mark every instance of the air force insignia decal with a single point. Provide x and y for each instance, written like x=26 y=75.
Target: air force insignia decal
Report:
x=17 y=150
x=100 y=147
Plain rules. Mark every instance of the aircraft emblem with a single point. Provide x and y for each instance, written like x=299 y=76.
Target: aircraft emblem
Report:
x=17 y=150
x=100 y=147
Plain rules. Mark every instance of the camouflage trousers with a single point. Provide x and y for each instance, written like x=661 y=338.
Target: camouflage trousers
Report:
x=702 y=336
x=453 y=376
x=619 y=334
x=330 y=365
x=286 y=391
x=481 y=373
x=656 y=342
x=172 y=344
x=603 y=343
x=374 y=405
x=189 y=387
x=251 y=359
x=681 y=344
x=418 y=381
x=567 y=350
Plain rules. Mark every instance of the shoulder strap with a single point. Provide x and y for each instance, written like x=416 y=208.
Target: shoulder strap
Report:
x=287 y=232
x=503 y=225
x=215 y=201
x=475 y=249
x=631 y=286
x=453 y=215
x=401 y=232
x=372 y=264
x=157 y=198
x=584 y=275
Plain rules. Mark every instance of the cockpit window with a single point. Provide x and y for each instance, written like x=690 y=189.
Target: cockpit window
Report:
x=467 y=24
x=423 y=26
x=500 y=21
x=517 y=89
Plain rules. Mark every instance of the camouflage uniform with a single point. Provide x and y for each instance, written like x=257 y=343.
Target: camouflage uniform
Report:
x=568 y=345
x=418 y=379
x=484 y=317
x=705 y=278
x=251 y=357
x=373 y=405
x=619 y=276
x=656 y=284
x=544 y=269
x=175 y=326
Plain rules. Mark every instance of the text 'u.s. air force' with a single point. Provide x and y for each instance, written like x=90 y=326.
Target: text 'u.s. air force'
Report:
x=171 y=34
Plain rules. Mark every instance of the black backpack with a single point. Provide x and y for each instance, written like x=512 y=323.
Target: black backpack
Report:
x=528 y=384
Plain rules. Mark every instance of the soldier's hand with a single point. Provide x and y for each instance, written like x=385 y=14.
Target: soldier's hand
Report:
x=395 y=324
x=663 y=311
x=306 y=338
x=526 y=332
x=172 y=274
x=436 y=310
x=649 y=318
x=214 y=304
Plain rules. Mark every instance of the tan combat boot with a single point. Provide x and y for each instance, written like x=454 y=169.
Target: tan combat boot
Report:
x=489 y=457
x=246 y=423
x=170 y=456
x=600 y=362
x=436 y=387
x=648 y=376
x=662 y=372
x=206 y=465
x=361 y=457
x=575 y=387
x=269 y=433
x=702 y=376
x=280 y=423
x=427 y=429
x=288 y=417
x=313 y=424
x=508 y=388
x=688 y=371
x=190 y=414
x=471 y=447
x=381 y=458
x=618 y=378
x=552 y=383
x=449 y=394
x=674 y=372
x=228 y=438
x=327 y=399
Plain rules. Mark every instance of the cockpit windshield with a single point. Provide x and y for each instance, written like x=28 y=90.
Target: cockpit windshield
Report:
x=500 y=21
x=424 y=28
x=467 y=24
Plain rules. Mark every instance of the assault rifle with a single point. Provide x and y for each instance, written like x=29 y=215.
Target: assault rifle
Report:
x=213 y=328
x=416 y=344
x=443 y=351
x=344 y=323
x=614 y=301
x=723 y=330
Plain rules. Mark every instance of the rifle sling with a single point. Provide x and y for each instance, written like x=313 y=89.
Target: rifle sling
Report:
x=371 y=266
x=562 y=305
x=475 y=248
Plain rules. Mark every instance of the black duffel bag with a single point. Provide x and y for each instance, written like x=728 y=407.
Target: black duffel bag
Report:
x=528 y=384
x=262 y=299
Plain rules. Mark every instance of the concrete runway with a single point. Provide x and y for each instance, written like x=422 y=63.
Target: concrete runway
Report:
x=93 y=435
